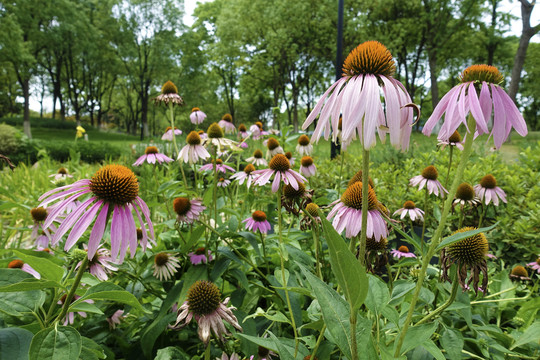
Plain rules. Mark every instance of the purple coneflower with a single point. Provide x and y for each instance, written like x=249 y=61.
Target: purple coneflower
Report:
x=70 y=317
x=197 y=116
x=62 y=174
x=519 y=273
x=217 y=138
x=465 y=195
x=255 y=130
x=409 y=209
x=226 y=123
x=165 y=266
x=488 y=190
x=257 y=159
x=304 y=147
x=307 y=168
x=257 y=221
x=242 y=131
x=202 y=134
x=113 y=190
x=429 y=178
x=193 y=151
x=347 y=214
x=453 y=140
x=222 y=182
x=201 y=255
x=39 y=215
x=187 y=210
x=115 y=319
x=367 y=71
x=169 y=94
x=273 y=147
x=101 y=264
x=204 y=305
x=243 y=144
x=535 y=265
x=234 y=356
x=289 y=157
x=279 y=167
x=169 y=133
x=151 y=155
x=402 y=251
x=245 y=175
x=221 y=167
x=463 y=99
x=19 y=264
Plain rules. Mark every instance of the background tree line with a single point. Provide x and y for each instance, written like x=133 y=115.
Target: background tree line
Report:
x=102 y=61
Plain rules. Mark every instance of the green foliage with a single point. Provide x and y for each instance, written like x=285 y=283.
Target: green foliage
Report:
x=10 y=139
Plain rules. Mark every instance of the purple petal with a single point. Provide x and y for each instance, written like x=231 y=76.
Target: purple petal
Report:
x=97 y=231
x=82 y=225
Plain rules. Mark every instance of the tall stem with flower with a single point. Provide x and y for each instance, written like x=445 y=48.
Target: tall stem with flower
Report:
x=365 y=206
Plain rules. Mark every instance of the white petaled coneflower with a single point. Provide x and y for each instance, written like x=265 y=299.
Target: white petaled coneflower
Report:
x=488 y=190
x=204 y=305
x=188 y=211
x=193 y=151
x=307 y=167
x=280 y=167
x=257 y=159
x=197 y=116
x=165 y=266
x=367 y=74
x=151 y=156
x=428 y=178
x=465 y=195
x=62 y=174
x=170 y=133
x=453 y=140
x=409 y=209
x=273 y=147
x=169 y=94
x=245 y=176
x=220 y=166
x=114 y=191
x=216 y=137
x=304 y=147
x=226 y=124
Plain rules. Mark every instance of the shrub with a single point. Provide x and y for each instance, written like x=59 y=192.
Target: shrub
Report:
x=10 y=139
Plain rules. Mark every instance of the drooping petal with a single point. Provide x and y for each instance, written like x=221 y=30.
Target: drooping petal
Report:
x=97 y=231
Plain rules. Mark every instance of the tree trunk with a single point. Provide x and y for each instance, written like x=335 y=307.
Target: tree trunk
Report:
x=26 y=119
x=433 y=78
x=526 y=34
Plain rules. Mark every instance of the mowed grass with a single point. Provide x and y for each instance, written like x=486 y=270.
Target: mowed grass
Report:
x=49 y=134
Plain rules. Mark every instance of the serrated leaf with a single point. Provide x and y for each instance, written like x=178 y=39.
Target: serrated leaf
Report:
x=350 y=274
x=57 y=342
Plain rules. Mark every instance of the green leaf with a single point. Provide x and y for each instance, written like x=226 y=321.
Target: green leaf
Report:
x=417 y=335
x=460 y=236
x=14 y=343
x=401 y=288
x=47 y=269
x=531 y=334
x=56 y=343
x=195 y=236
x=152 y=332
x=433 y=350
x=171 y=353
x=452 y=341
x=350 y=274
x=14 y=303
x=528 y=311
x=378 y=295
x=90 y=350
x=219 y=268
x=406 y=236
x=287 y=345
x=85 y=307
x=284 y=352
x=253 y=241
x=31 y=284
x=194 y=273
x=109 y=291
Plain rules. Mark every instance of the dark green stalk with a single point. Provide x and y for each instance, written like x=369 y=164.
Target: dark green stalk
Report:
x=73 y=289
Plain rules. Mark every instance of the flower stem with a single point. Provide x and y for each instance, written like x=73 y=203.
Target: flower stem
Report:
x=341 y=170
x=449 y=166
x=264 y=253
x=315 y=233
x=424 y=222
x=171 y=110
x=435 y=240
x=73 y=289
x=354 y=346
x=365 y=207
x=440 y=309
x=283 y=279
x=319 y=340
x=482 y=214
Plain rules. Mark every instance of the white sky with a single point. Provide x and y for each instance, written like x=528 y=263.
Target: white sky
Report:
x=512 y=6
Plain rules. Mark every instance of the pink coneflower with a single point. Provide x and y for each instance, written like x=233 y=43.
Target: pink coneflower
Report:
x=453 y=140
x=535 y=265
x=519 y=273
x=488 y=190
x=226 y=124
x=197 y=116
x=39 y=215
x=217 y=138
x=255 y=131
x=202 y=134
x=257 y=159
x=19 y=264
x=402 y=251
x=222 y=182
x=169 y=94
x=245 y=175
x=281 y=169
x=347 y=214
x=114 y=189
x=62 y=174
x=151 y=155
x=304 y=147
x=463 y=99
x=273 y=147
x=242 y=131
x=70 y=317
x=409 y=209
x=115 y=319
x=257 y=221
x=465 y=195
x=170 y=133
x=201 y=255
x=307 y=167
x=243 y=144
x=221 y=167
x=234 y=356
x=101 y=264
x=204 y=305
x=367 y=71
x=429 y=178
x=187 y=210
x=165 y=266
x=289 y=157
x=193 y=151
